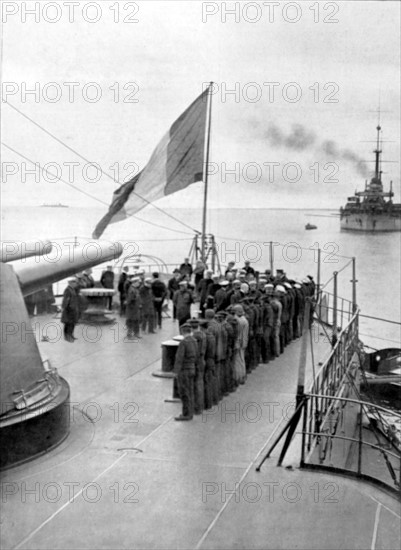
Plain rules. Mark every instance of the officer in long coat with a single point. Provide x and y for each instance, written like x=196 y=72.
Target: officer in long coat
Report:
x=70 y=310
x=182 y=300
x=133 y=309
x=121 y=289
x=148 y=311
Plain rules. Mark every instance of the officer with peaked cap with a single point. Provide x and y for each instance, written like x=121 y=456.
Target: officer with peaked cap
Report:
x=183 y=299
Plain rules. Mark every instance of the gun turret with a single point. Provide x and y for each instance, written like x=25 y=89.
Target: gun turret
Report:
x=37 y=273
x=34 y=399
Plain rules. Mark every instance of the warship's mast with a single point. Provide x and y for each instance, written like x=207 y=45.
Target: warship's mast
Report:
x=377 y=155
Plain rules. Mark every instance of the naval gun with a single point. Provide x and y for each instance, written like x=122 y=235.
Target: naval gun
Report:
x=11 y=250
x=35 y=415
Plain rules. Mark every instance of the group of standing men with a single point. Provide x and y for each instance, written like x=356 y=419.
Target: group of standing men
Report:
x=246 y=319
x=141 y=301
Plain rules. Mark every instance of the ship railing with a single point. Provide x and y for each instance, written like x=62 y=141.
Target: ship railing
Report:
x=335 y=419
x=328 y=305
x=334 y=371
x=372 y=452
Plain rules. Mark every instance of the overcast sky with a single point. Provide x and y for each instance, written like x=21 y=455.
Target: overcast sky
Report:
x=329 y=66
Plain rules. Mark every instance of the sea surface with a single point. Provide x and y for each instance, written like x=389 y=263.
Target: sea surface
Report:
x=242 y=234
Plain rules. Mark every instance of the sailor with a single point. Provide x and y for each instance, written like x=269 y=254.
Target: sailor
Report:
x=212 y=289
x=220 y=299
x=182 y=300
x=107 y=278
x=107 y=281
x=248 y=269
x=230 y=279
x=70 y=310
x=214 y=328
x=199 y=387
x=159 y=292
x=231 y=327
x=281 y=294
x=291 y=311
x=240 y=344
x=280 y=277
x=198 y=272
x=277 y=312
x=148 y=312
x=133 y=308
x=209 y=378
x=220 y=316
x=121 y=288
x=82 y=300
x=184 y=368
x=186 y=268
x=203 y=289
x=173 y=286
x=230 y=268
x=267 y=325
x=88 y=278
x=269 y=276
x=235 y=295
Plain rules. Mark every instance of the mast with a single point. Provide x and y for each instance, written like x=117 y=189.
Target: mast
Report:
x=377 y=154
x=206 y=170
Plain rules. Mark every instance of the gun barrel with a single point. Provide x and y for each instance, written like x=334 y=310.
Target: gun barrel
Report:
x=11 y=250
x=37 y=273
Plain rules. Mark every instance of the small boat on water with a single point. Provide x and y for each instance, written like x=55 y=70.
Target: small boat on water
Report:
x=310 y=226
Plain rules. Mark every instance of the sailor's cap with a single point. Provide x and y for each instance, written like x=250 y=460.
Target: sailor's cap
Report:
x=183 y=283
x=287 y=285
x=297 y=285
x=280 y=288
x=238 y=309
x=224 y=283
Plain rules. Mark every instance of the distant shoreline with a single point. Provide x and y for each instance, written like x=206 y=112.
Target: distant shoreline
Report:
x=334 y=209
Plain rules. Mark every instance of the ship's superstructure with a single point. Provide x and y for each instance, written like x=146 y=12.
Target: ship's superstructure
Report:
x=368 y=210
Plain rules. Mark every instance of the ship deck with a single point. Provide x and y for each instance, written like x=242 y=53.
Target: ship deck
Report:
x=142 y=480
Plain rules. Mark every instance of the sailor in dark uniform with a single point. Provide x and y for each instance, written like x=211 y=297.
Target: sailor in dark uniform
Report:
x=70 y=310
x=121 y=289
x=199 y=387
x=184 y=368
x=107 y=281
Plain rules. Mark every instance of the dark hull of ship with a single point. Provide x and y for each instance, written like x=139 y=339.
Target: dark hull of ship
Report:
x=362 y=221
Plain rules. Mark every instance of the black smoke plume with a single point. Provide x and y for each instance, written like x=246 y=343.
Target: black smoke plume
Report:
x=301 y=139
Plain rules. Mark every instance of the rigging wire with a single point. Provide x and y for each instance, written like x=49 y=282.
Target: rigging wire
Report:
x=102 y=171
x=89 y=195
x=265 y=243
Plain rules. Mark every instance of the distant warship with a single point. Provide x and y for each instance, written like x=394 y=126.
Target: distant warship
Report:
x=369 y=210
